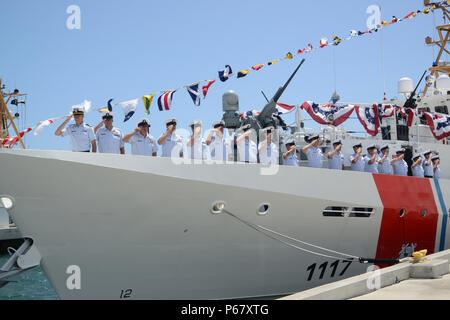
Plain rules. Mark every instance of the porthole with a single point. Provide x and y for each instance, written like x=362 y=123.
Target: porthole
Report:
x=402 y=213
x=263 y=209
x=218 y=207
x=6 y=202
x=424 y=212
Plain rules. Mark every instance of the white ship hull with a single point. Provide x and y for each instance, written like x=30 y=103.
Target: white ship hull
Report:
x=141 y=227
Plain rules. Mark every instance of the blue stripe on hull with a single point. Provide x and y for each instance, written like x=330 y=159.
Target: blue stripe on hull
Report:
x=444 y=217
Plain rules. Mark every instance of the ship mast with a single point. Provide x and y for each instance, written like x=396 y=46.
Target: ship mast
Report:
x=444 y=37
x=6 y=119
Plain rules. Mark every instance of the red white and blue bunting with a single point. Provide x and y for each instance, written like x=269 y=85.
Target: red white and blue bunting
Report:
x=328 y=114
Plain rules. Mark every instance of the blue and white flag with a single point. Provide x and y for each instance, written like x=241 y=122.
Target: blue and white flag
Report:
x=225 y=74
x=129 y=108
x=194 y=92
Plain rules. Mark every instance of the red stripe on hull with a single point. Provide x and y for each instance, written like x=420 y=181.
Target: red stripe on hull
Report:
x=397 y=232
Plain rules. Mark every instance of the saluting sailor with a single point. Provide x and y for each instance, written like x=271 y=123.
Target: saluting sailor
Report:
x=370 y=160
x=356 y=159
x=247 y=149
x=428 y=165
x=436 y=162
x=172 y=145
x=142 y=143
x=335 y=157
x=82 y=135
x=416 y=166
x=217 y=142
x=290 y=157
x=384 y=163
x=399 y=164
x=195 y=148
x=268 y=151
x=313 y=152
x=109 y=138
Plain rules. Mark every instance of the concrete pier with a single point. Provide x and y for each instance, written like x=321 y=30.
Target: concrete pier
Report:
x=427 y=279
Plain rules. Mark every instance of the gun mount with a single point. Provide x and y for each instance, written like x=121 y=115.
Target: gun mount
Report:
x=267 y=118
x=411 y=101
x=230 y=103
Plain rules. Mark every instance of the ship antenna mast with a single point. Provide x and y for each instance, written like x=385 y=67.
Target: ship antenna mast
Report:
x=6 y=119
x=444 y=37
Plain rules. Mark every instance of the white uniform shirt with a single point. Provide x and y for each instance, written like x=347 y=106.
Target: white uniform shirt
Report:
x=437 y=173
x=172 y=143
x=143 y=146
x=314 y=157
x=336 y=161
x=291 y=160
x=109 y=141
x=373 y=168
x=247 y=151
x=384 y=167
x=417 y=171
x=358 y=166
x=196 y=151
x=428 y=170
x=270 y=155
x=400 y=168
x=219 y=149
x=81 y=136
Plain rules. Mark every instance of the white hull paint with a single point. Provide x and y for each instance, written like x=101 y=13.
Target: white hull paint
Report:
x=145 y=224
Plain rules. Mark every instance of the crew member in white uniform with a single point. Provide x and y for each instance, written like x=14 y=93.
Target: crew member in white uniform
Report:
x=399 y=164
x=416 y=166
x=142 y=142
x=82 y=135
x=195 y=146
x=335 y=157
x=356 y=159
x=313 y=152
x=384 y=163
x=109 y=138
x=172 y=145
x=436 y=169
x=268 y=151
x=428 y=165
x=247 y=148
x=370 y=160
x=217 y=143
x=290 y=157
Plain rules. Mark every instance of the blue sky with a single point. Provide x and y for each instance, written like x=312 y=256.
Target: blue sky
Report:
x=126 y=49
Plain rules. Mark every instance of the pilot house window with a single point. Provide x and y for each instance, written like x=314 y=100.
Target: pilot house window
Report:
x=441 y=109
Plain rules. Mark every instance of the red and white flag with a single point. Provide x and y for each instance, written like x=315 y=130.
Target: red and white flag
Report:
x=284 y=108
x=323 y=42
x=206 y=88
x=8 y=142
x=41 y=126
